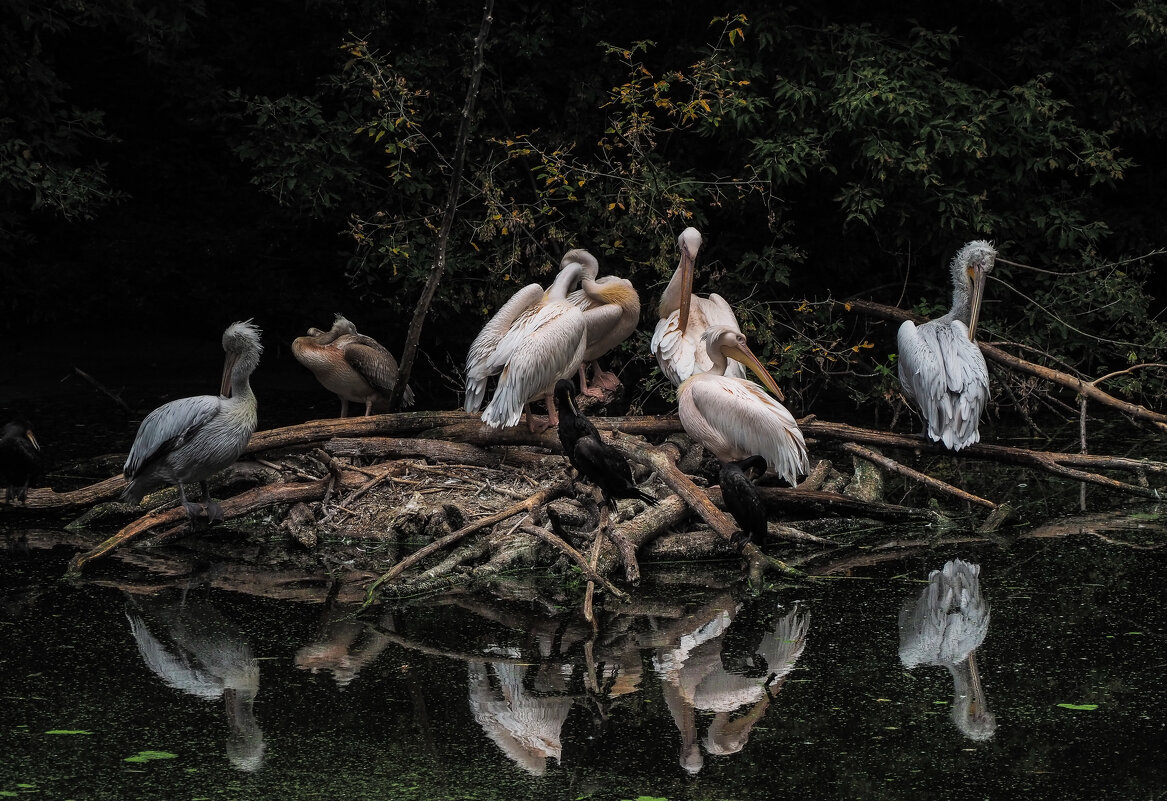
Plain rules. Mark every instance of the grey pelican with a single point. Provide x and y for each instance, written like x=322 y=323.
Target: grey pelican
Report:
x=945 y=626
x=192 y=648
x=684 y=317
x=595 y=459
x=191 y=439
x=356 y=367
x=940 y=366
x=530 y=343
x=735 y=418
x=611 y=310
x=742 y=499
x=20 y=459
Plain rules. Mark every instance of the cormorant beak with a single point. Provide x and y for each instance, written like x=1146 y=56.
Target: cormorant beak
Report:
x=228 y=369
x=687 y=268
x=979 y=276
x=746 y=356
x=32 y=438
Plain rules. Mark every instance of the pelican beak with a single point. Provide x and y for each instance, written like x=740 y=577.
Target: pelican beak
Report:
x=979 y=276
x=32 y=438
x=687 y=268
x=746 y=356
x=228 y=368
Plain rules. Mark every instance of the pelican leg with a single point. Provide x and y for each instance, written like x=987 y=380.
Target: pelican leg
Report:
x=214 y=510
x=368 y=407
x=584 y=389
x=605 y=379
x=540 y=427
x=193 y=510
x=344 y=407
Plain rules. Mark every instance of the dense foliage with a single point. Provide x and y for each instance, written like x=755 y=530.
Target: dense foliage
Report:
x=825 y=150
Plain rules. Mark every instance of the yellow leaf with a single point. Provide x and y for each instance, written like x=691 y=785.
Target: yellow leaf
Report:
x=847 y=306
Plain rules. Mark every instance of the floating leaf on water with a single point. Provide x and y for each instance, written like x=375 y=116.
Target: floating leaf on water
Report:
x=146 y=756
x=68 y=731
x=1082 y=707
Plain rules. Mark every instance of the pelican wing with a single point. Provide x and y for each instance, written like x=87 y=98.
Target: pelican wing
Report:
x=541 y=349
x=376 y=365
x=168 y=427
x=735 y=418
x=480 y=361
x=681 y=354
x=600 y=321
x=944 y=372
x=175 y=667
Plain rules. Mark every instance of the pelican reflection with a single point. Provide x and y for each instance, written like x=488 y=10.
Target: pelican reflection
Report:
x=705 y=672
x=188 y=644
x=945 y=626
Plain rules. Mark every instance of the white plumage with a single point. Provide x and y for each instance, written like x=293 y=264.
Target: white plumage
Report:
x=611 y=308
x=685 y=317
x=735 y=418
x=530 y=344
x=941 y=369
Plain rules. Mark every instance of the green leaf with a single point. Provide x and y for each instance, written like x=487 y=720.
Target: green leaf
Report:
x=68 y=731
x=146 y=756
x=1080 y=707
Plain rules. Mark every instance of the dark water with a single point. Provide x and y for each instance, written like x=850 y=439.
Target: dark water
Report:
x=243 y=697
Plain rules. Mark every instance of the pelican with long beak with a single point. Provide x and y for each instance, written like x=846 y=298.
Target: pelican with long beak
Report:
x=530 y=344
x=611 y=308
x=191 y=439
x=941 y=368
x=685 y=317
x=356 y=367
x=734 y=418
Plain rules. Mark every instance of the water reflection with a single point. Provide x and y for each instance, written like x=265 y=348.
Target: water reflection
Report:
x=345 y=645
x=945 y=626
x=702 y=673
x=522 y=707
x=186 y=642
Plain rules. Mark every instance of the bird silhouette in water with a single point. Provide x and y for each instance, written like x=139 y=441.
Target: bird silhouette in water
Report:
x=594 y=459
x=20 y=460
x=743 y=501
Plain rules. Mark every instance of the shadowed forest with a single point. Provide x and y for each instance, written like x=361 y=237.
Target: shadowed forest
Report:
x=172 y=167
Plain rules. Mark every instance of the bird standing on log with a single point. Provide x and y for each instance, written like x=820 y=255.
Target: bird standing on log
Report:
x=356 y=367
x=20 y=460
x=535 y=339
x=743 y=501
x=735 y=418
x=941 y=369
x=685 y=317
x=596 y=460
x=611 y=310
x=191 y=439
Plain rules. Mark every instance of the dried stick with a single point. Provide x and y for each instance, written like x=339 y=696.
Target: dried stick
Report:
x=125 y=407
x=588 y=567
x=538 y=499
x=880 y=460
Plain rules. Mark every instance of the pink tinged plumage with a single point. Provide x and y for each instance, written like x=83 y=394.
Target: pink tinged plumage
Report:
x=734 y=418
x=685 y=317
x=611 y=308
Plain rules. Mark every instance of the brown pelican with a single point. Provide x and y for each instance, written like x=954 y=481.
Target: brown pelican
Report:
x=20 y=460
x=611 y=310
x=941 y=368
x=595 y=459
x=355 y=367
x=945 y=626
x=530 y=343
x=735 y=418
x=191 y=439
x=684 y=317
x=742 y=499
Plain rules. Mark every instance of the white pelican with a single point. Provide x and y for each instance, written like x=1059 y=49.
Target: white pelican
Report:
x=356 y=367
x=191 y=439
x=544 y=342
x=945 y=626
x=684 y=317
x=611 y=310
x=20 y=460
x=940 y=366
x=735 y=418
